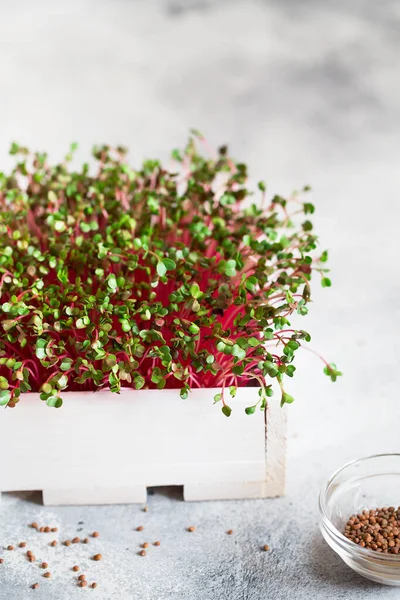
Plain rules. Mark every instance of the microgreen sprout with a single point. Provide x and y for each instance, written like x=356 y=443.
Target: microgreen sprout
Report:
x=150 y=278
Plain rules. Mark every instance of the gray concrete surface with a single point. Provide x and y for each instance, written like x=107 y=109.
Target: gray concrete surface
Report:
x=306 y=92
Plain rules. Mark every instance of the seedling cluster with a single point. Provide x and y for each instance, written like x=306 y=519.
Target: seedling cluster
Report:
x=153 y=278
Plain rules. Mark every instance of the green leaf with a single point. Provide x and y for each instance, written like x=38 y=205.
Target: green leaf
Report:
x=226 y=410
x=230 y=268
x=125 y=326
x=115 y=384
x=184 y=393
x=251 y=283
x=82 y=322
x=324 y=256
x=14 y=148
x=5 y=396
x=139 y=382
x=66 y=364
x=195 y=291
x=54 y=401
x=326 y=282
x=176 y=155
x=161 y=268
x=112 y=283
x=293 y=345
x=290 y=369
x=41 y=348
x=110 y=361
x=332 y=372
x=156 y=375
x=301 y=308
x=85 y=227
x=250 y=410
x=62 y=382
x=169 y=264
x=60 y=226
x=286 y=399
x=238 y=352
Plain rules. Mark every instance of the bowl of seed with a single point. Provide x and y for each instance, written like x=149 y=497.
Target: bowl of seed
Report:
x=360 y=516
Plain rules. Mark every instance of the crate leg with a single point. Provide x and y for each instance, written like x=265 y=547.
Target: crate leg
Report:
x=128 y=495
x=275 y=450
x=223 y=491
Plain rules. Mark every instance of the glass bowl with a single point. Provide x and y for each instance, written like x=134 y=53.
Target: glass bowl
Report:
x=363 y=484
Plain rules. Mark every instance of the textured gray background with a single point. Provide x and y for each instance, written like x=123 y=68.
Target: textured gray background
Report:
x=306 y=92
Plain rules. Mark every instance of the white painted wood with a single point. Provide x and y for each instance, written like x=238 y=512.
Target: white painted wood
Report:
x=273 y=484
x=275 y=450
x=95 y=495
x=107 y=448
x=224 y=491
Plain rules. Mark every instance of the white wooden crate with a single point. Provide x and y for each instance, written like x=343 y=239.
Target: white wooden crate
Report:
x=102 y=448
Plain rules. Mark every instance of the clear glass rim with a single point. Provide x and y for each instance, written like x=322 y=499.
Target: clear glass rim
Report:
x=348 y=545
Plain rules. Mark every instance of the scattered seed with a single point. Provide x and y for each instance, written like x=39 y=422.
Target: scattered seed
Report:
x=54 y=529
x=82 y=583
x=142 y=553
x=31 y=558
x=44 y=565
x=35 y=586
x=97 y=557
x=145 y=509
x=95 y=534
x=41 y=530
x=47 y=529
x=10 y=547
x=85 y=541
x=230 y=531
x=157 y=543
x=145 y=545
x=47 y=575
x=266 y=548
x=82 y=577
x=140 y=528
x=191 y=528
x=76 y=540
x=67 y=543
x=1 y=561
x=94 y=585
x=29 y=552
x=75 y=568
x=53 y=543
x=34 y=525
x=22 y=544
